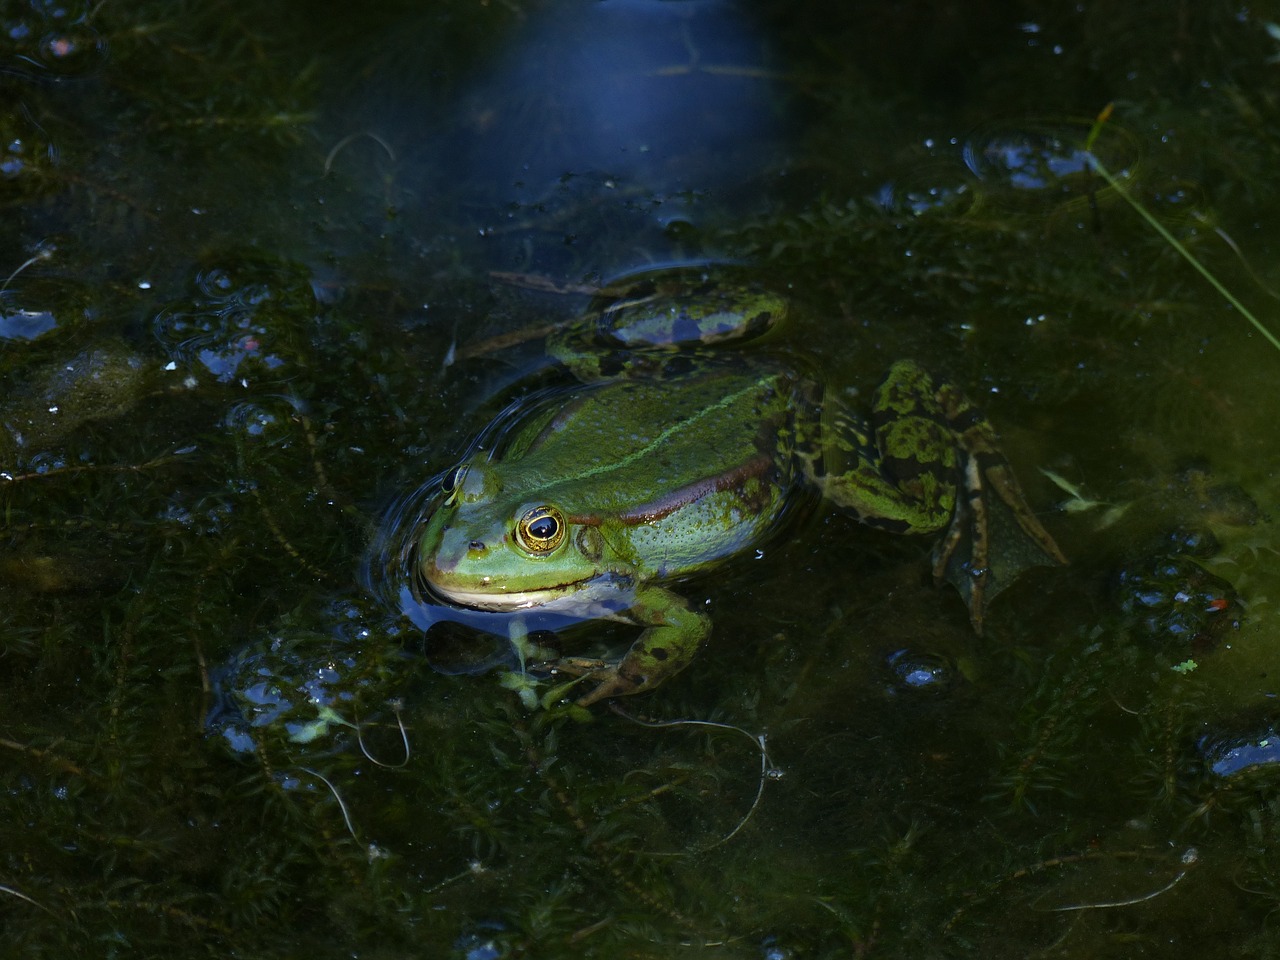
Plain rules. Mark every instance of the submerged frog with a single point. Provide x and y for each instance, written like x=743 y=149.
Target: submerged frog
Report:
x=604 y=496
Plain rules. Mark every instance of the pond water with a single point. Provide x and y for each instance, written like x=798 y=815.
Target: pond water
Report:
x=267 y=268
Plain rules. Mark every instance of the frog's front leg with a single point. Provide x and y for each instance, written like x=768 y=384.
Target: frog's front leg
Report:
x=673 y=632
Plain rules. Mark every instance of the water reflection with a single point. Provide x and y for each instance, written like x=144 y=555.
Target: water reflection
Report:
x=670 y=92
x=1249 y=745
x=1047 y=159
x=25 y=324
x=53 y=41
x=616 y=120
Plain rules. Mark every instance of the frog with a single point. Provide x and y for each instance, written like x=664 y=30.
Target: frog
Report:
x=663 y=460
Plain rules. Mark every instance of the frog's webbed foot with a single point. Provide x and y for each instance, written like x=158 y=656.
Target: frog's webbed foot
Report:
x=1004 y=536
x=609 y=678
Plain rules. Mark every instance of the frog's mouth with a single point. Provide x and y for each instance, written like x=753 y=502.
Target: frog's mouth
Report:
x=495 y=596
x=495 y=593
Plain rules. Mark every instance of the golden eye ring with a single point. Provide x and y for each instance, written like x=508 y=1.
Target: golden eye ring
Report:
x=541 y=530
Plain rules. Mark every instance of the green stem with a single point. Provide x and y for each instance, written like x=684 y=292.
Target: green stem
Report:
x=1168 y=237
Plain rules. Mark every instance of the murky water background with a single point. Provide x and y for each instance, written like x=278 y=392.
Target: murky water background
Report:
x=268 y=267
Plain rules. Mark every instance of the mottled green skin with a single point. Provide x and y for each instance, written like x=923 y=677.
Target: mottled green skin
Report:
x=637 y=333
x=604 y=495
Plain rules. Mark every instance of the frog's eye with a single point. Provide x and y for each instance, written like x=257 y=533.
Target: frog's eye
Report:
x=540 y=530
x=451 y=483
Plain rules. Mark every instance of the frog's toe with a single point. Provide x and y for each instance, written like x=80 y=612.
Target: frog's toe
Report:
x=992 y=540
x=965 y=569
x=575 y=666
x=610 y=679
x=612 y=683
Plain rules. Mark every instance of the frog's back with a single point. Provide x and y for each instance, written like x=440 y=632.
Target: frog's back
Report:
x=686 y=469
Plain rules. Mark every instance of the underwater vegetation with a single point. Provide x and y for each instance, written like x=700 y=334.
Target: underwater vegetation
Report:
x=266 y=268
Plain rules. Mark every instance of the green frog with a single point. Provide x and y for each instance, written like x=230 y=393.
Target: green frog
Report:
x=598 y=502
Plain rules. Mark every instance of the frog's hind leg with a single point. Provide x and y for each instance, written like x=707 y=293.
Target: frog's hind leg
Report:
x=926 y=462
x=894 y=474
x=1005 y=536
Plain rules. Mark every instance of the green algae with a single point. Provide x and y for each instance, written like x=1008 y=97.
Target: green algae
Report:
x=221 y=739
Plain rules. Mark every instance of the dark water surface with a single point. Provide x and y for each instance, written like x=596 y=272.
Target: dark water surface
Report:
x=270 y=265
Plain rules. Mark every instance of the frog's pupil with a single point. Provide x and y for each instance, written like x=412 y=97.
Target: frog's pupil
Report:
x=544 y=528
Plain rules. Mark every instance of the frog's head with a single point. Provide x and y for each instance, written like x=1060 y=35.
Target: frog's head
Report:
x=491 y=551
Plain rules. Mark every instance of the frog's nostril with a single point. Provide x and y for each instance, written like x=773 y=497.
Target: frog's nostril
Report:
x=475 y=545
